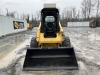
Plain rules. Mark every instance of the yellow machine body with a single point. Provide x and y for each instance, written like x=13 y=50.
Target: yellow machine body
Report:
x=29 y=26
x=49 y=42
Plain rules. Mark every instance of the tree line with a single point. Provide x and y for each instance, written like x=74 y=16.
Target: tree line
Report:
x=89 y=10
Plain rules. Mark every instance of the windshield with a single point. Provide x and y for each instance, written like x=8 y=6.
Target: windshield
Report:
x=49 y=19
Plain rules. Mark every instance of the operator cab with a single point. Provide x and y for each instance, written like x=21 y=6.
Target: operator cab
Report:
x=49 y=22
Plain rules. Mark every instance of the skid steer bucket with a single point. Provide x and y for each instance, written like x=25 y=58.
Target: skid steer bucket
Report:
x=50 y=59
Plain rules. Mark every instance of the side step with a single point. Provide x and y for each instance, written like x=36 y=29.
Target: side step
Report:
x=50 y=59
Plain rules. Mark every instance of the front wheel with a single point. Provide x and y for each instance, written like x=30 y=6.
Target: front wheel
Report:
x=33 y=43
x=66 y=42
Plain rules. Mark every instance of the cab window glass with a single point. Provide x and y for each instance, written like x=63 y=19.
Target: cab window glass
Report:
x=49 y=19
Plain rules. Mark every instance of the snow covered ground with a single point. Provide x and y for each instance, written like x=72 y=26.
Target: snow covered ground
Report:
x=86 y=42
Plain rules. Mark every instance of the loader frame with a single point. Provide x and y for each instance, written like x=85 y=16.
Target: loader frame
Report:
x=50 y=49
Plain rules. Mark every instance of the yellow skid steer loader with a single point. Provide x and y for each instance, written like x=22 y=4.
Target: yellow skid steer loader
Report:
x=50 y=49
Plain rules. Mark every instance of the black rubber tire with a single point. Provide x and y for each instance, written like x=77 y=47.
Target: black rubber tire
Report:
x=33 y=43
x=66 y=42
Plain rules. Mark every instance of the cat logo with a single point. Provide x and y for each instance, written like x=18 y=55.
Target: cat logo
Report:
x=16 y=26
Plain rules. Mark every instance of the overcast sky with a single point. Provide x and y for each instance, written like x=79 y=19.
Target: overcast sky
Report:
x=32 y=6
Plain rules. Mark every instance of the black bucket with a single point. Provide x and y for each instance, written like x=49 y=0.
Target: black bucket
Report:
x=50 y=59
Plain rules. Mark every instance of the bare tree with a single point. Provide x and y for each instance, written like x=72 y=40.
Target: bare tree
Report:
x=38 y=14
x=24 y=16
x=11 y=14
x=90 y=6
x=84 y=8
x=70 y=13
x=98 y=6
x=7 y=14
x=87 y=7
x=78 y=15
x=67 y=13
x=64 y=14
x=32 y=18
x=28 y=17
x=84 y=12
x=74 y=12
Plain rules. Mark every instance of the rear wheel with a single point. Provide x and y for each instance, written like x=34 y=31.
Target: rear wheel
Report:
x=33 y=43
x=66 y=42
